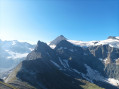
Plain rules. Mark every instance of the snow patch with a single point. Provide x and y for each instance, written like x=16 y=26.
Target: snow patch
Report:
x=66 y=62
x=13 y=42
x=76 y=71
x=117 y=59
x=55 y=64
x=52 y=46
x=63 y=63
x=93 y=74
x=83 y=75
x=100 y=59
x=105 y=61
x=62 y=48
x=117 y=38
x=113 y=81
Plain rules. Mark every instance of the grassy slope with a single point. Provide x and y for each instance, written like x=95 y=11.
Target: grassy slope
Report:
x=89 y=85
x=6 y=86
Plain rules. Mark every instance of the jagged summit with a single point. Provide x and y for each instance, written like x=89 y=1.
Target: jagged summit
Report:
x=42 y=50
x=111 y=37
x=39 y=43
x=41 y=46
x=57 y=40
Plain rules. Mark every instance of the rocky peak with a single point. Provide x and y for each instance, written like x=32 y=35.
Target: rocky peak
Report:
x=57 y=40
x=112 y=37
x=41 y=46
x=42 y=50
x=64 y=43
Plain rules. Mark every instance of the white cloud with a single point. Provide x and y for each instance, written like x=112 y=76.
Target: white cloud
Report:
x=14 y=55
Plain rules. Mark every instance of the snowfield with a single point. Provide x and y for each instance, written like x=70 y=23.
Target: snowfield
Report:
x=111 y=42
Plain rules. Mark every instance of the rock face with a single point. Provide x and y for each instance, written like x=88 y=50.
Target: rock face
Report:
x=57 y=40
x=39 y=71
x=113 y=37
x=1 y=80
x=65 y=66
x=105 y=53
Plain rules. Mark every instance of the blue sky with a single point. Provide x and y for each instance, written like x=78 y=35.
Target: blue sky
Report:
x=33 y=20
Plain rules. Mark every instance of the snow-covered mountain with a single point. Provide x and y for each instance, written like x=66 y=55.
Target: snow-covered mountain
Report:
x=105 y=50
x=112 y=41
x=13 y=52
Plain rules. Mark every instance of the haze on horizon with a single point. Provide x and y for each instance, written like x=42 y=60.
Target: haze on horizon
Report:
x=33 y=20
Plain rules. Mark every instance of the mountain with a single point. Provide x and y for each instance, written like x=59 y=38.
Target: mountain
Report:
x=56 y=41
x=113 y=37
x=111 y=41
x=69 y=65
x=40 y=70
x=106 y=53
x=12 y=53
x=5 y=86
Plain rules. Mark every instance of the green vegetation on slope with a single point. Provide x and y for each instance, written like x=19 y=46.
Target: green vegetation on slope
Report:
x=6 y=86
x=89 y=85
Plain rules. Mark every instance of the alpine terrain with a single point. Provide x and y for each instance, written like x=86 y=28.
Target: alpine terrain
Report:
x=68 y=64
x=11 y=54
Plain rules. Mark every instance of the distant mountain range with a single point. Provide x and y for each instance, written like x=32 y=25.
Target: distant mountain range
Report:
x=65 y=64
x=12 y=53
x=111 y=41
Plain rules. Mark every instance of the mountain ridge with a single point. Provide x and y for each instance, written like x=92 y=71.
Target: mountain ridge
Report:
x=45 y=67
x=44 y=58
